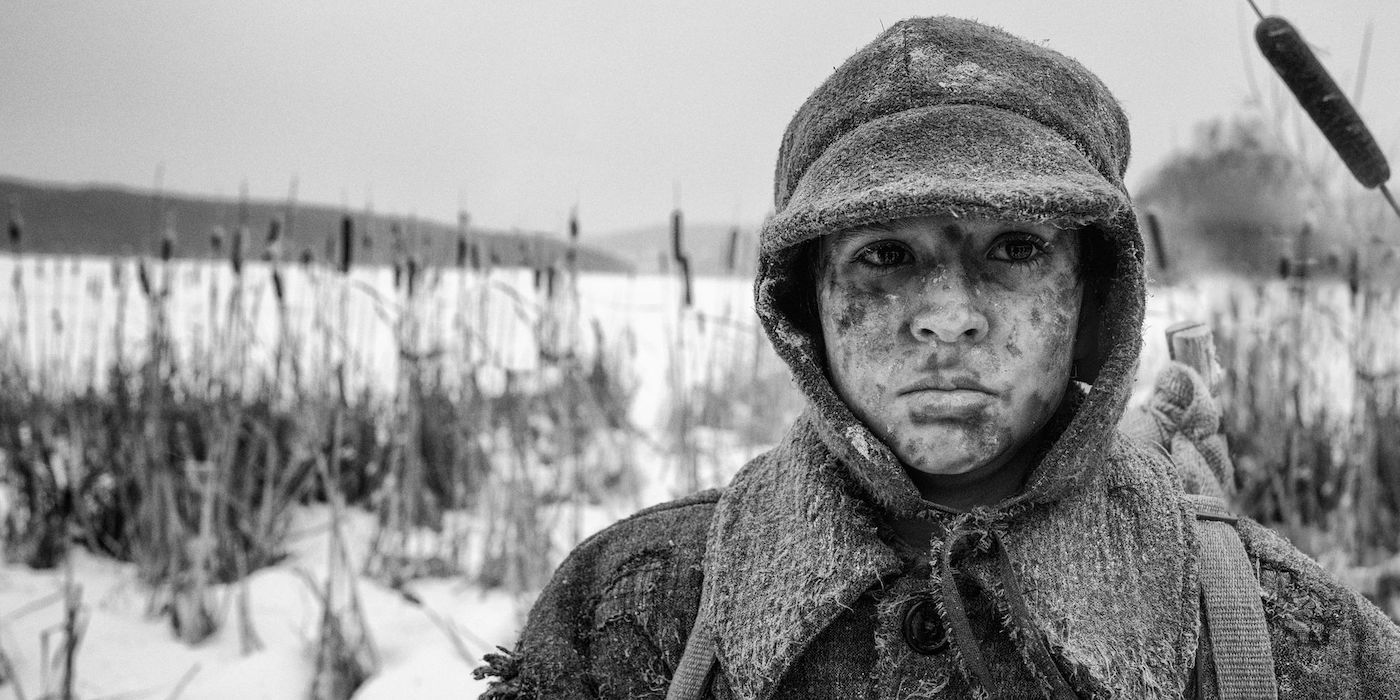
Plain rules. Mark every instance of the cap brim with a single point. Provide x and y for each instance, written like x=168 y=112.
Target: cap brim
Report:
x=966 y=161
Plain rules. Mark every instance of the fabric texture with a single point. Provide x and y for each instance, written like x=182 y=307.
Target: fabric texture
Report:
x=808 y=565
x=1241 y=657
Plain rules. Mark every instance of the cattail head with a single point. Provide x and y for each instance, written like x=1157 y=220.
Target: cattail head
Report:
x=411 y=278
x=308 y=256
x=273 y=249
x=167 y=238
x=16 y=226
x=571 y=253
x=677 y=245
x=732 y=259
x=143 y=276
x=277 y=289
x=240 y=234
x=216 y=241
x=461 y=251
x=347 y=243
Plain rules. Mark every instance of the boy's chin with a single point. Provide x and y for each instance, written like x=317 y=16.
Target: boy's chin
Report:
x=944 y=451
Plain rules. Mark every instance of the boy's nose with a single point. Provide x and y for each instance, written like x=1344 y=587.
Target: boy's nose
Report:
x=950 y=315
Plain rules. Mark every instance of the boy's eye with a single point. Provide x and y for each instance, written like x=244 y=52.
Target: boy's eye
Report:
x=883 y=254
x=1019 y=249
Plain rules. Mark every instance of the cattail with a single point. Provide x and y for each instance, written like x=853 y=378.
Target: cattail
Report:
x=167 y=238
x=347 y=243
x=240 y=234
x=1159 y=245
x=277 y=289
x=307 y=256
x=463 y=244
x=396 y=233
x=272 y=250
x=216 y=241
x=571 y=255
x=412 y=277
x=732 y=259
x=144 y=277
x=678 y=252
x=16 y=227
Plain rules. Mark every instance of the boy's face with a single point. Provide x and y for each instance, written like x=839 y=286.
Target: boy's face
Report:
x=951 y=339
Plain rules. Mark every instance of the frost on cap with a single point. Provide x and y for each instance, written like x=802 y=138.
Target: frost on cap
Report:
x=936 y=62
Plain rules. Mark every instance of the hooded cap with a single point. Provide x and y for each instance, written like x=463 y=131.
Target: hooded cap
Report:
x=948 y=117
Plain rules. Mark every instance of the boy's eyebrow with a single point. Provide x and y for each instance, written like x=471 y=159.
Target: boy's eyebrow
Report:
x=843 y=236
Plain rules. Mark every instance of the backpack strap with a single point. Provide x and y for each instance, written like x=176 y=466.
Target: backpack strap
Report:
x=1233 y=609
x=692 y=677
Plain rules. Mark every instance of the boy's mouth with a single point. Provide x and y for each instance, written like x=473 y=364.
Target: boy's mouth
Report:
x=936 y=405
x=945 y=397
x=960 y=382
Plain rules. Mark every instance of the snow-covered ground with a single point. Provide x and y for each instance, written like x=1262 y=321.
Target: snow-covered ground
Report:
x=128 y=653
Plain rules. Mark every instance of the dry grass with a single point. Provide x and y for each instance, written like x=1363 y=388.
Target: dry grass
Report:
x=185 y=442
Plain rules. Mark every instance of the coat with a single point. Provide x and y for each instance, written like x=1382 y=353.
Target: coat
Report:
x=812 y=597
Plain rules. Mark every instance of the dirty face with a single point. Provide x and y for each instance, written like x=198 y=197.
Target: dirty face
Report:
x=951 y=339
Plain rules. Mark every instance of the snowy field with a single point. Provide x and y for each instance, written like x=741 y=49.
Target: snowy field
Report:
x=77 y=315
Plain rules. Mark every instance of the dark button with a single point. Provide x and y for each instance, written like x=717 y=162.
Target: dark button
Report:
x=923 y=630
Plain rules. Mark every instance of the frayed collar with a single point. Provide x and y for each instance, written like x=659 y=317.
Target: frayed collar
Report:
x=1108 y=571
x=789 y=549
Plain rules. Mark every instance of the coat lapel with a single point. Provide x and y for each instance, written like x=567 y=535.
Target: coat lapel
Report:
x=789 y=549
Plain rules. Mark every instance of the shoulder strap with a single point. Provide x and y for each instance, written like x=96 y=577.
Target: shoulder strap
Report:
x=692 y=677
x=1234 y=612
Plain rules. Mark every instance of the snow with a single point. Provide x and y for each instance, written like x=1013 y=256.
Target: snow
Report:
x=126 y=652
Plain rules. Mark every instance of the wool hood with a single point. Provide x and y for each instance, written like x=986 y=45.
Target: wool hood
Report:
x=948 y=117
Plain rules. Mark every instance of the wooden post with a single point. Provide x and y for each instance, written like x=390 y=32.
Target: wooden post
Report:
x=1193 y=344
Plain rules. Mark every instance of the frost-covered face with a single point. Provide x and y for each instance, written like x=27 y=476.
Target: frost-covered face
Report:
x=951 y=339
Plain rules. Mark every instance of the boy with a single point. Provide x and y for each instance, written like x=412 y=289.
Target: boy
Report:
x=954 y=275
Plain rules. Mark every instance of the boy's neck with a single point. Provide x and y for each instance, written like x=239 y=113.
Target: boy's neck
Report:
x=987 y=485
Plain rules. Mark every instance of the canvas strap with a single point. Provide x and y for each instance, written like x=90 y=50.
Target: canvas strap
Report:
x=692 y=677
x=1234 y=611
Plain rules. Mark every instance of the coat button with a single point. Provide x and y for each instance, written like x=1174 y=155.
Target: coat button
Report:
x=923 y=630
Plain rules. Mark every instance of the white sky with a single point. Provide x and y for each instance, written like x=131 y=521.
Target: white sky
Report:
x=525 y=107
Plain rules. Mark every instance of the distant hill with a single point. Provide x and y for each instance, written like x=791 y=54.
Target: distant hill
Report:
x=107 y=220
x=648 y=249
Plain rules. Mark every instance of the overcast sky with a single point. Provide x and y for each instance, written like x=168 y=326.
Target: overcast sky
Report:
x=523 y=108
